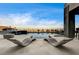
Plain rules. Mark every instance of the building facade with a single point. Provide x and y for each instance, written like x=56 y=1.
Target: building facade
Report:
x=70 y=10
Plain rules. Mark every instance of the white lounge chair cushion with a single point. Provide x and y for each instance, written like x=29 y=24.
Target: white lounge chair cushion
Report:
x=11 y=38
x=6 y=36
x=57 y=41
x=24 y=43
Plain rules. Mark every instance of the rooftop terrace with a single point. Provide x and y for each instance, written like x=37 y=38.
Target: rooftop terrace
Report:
x=38 y=47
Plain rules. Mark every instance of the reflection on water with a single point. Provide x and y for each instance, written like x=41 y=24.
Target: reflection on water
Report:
x=40 y=35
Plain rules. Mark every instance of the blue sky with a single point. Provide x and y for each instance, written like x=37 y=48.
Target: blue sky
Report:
x=38 y=15
x=76 y=20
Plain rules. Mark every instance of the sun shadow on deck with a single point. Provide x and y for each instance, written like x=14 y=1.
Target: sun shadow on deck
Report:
x=13 y=50
x=67 y=50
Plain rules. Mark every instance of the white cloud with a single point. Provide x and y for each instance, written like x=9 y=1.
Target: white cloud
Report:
x=28 y=21
x=15 y=19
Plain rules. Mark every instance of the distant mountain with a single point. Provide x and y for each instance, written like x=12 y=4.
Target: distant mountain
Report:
x=5 y=27
x=2 y=27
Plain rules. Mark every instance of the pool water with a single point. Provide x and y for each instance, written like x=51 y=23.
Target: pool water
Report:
x=40 y=35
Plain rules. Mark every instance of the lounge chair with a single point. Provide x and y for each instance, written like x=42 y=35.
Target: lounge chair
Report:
x=58 y=41
x=25 y=42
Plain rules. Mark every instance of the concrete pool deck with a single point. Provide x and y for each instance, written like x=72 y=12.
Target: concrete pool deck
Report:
x=38 y=47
